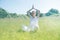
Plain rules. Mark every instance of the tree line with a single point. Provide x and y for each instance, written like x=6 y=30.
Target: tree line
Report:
x=5 y=14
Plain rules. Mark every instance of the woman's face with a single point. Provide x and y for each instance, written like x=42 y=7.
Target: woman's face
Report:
x=33 y=13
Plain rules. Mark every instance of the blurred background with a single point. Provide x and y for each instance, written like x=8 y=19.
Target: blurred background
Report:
x=13 y=15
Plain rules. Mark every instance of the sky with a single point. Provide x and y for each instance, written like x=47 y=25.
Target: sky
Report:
x=22 y=6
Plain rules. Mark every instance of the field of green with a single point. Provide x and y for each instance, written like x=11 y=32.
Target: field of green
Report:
x=49 y=29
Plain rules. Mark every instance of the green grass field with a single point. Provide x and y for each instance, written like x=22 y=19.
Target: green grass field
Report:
x=10 y=29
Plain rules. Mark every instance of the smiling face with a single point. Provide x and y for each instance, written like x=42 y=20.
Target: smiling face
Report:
x=33 y=13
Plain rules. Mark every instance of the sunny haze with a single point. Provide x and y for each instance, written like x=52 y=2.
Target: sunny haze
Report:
x=21 y=6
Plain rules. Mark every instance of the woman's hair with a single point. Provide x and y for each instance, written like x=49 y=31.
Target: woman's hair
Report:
x=32 y=12
x=37 y=12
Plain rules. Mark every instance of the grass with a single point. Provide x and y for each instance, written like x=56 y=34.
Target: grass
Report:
x=10 y=29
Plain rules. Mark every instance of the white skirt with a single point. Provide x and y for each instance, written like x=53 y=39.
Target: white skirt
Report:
x=32 y=27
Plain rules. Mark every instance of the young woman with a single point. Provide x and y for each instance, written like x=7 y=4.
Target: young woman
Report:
x=34 y=17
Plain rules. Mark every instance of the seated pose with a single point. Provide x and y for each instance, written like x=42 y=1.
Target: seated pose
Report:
x=34 y=16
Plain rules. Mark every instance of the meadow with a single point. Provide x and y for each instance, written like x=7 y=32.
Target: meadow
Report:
x=49 y=29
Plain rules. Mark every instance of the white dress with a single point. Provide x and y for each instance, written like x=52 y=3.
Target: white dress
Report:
x=34 y=23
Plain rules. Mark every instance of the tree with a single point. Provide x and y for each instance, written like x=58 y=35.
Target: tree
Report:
x=48 y=14
x=12 y=15
x=54 y=11
x=51 y=12
x=3 y=13
x=41 y=14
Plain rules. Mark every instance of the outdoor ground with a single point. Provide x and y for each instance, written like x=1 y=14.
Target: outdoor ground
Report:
x=49 y=29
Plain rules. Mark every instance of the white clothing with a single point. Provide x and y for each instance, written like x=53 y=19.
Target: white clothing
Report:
x=34 y=23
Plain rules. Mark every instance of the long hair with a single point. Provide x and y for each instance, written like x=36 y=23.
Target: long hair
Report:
x=37 y=12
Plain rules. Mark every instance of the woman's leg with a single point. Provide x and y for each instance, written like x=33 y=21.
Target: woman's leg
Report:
x=25 y=28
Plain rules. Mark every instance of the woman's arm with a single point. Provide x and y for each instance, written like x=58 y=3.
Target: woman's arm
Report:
x=38 y=12
x=28 y=12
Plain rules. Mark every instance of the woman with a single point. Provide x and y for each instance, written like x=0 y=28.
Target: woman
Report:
x=33 y=20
